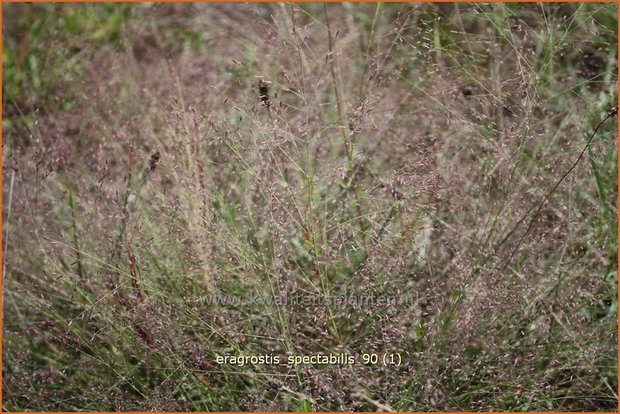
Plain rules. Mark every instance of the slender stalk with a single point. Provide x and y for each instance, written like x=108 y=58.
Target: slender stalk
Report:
x=613 y=112
x=368 y=46
x=332 y=65
x=341 y=124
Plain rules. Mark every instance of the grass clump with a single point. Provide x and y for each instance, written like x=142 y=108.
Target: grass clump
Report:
x=186 y=182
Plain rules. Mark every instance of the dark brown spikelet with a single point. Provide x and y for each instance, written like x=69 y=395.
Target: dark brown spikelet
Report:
x=263 y=93
x=144 y=335
x=134 y=277
x=467 y=92
x=153 y=161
